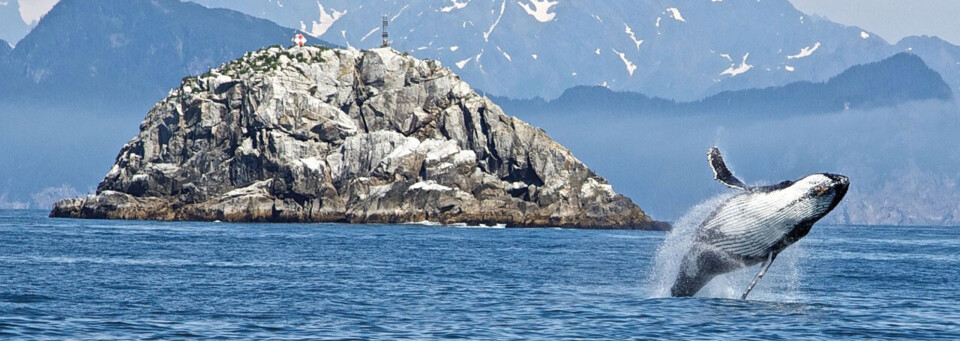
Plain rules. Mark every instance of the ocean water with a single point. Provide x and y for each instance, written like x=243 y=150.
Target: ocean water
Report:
x=86 y=279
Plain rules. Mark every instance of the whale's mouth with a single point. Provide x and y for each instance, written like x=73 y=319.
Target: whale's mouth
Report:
x=840 y=186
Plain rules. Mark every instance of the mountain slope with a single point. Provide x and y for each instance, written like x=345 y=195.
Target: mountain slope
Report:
x=682 y=50
x=12 y=27
x=92 y=50
x=899 y=79
x=5 y=50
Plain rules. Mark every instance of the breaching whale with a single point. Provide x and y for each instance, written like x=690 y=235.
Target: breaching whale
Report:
x=754 y=226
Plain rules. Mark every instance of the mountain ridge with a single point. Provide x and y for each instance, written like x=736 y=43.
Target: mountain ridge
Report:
x=677 y=50
x=898 y=79
x=88 y=51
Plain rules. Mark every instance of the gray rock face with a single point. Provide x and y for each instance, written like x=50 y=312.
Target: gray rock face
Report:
x=318 y=135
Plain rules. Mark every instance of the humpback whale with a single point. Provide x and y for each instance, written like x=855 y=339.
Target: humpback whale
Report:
x=754 y=226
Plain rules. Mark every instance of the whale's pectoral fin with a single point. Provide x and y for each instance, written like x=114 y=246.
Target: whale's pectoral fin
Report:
x=720 y=171
x=763 y=270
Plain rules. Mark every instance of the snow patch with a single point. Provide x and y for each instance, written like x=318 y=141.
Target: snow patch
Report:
x=365 y=36
x=327 y=20
x=505 y=55
x=805 y=52
x=486 y=35
x=675 y=14
x=540 y=9
x=864 y=35
x=738 y=70
x=632 y=36
x=454 y=48
x=456 y=5
x=789 y=68
x=394 y=18
x=463 y=63
x=534 y=56
x=344 y=35
x=597 y=51
x=630 y=66
x=657 y=24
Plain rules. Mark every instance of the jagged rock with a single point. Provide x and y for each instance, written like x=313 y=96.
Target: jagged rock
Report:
x=309 y=134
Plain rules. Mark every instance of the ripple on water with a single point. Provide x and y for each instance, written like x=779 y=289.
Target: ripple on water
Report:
x=70 y=279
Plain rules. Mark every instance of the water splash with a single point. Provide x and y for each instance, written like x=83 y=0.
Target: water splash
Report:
x=780 y=284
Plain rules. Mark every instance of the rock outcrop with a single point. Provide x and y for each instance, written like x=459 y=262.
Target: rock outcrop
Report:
x=310 y=134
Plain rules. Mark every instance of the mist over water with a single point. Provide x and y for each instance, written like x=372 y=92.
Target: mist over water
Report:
x=780 y=284
x=901 y=160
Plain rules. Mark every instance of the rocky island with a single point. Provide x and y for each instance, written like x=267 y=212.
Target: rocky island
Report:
x=310 y=134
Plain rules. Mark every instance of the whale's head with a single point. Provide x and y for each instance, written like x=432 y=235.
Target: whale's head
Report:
x=820 y=193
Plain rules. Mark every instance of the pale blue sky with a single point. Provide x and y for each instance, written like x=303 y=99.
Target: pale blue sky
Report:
x=892 y=19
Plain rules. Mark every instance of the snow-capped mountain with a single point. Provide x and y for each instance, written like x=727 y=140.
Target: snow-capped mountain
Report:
x=96 y=49
x=674 y=49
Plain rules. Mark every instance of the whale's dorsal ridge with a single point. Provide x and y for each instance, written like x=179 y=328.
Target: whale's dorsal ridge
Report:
x=721 y=172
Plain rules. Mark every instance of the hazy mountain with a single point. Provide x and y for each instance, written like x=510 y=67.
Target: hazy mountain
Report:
x=94 y=50
x=938 y=53
x=78 y=85
x=4 y=49
x=12 y=27
x=681 y=50
x=899 y=79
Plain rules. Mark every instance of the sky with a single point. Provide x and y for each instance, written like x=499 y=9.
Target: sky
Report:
x=890 y=19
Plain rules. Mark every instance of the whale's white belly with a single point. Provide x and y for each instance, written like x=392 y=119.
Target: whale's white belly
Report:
x=750 y=224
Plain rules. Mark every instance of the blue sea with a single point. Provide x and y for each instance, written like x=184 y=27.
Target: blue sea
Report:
x=90 y=279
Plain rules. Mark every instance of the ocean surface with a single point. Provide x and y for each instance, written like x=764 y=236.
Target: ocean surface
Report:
x=86 y=279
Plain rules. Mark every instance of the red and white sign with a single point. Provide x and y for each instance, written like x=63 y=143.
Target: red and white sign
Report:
x=299 y=39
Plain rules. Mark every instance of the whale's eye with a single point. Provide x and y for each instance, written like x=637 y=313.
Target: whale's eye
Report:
x=820 y=189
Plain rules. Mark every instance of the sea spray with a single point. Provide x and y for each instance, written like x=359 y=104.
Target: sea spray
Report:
x=781 y=283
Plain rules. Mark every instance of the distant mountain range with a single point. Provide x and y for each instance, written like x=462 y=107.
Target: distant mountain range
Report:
x=126 y=51
x=899 y=79
x=681 y=50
